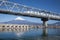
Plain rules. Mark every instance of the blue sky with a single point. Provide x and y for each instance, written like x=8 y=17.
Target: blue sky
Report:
x=49 y=5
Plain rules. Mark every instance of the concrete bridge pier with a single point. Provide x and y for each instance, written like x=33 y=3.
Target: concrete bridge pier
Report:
x=45 y=31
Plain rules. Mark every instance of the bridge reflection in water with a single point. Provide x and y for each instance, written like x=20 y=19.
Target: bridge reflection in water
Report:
x=53 y=33
x=17 y=28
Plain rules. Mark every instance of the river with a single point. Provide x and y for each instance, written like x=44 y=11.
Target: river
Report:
x=32 y=34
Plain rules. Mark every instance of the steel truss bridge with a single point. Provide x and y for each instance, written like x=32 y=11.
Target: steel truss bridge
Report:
x=12 y=8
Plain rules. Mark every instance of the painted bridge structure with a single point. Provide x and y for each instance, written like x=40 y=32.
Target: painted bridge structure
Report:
x=12 y=8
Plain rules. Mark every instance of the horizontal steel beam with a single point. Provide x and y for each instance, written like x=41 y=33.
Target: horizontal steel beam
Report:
x=25 y=14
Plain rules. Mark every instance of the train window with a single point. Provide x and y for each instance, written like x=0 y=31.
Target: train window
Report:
x=3 y=26
x=11 y=26
x=15 y=26
x=7 y=26
x=29 y=26
x=19 y=26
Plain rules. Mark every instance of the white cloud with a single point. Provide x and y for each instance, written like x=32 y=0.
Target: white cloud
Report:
x=19 y=18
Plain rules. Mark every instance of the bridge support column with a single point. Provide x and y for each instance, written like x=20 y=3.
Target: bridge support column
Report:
x=45 y=31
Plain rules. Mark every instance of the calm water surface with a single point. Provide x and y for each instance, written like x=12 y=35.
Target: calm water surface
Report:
x=32 y=34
